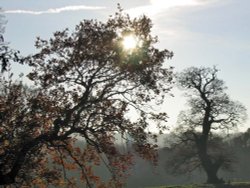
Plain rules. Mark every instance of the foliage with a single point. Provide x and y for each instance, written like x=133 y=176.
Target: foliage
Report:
x=6 y=54
x=210 y=110
x=85 y=86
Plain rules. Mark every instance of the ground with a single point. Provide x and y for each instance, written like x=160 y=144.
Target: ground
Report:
x=229 y=185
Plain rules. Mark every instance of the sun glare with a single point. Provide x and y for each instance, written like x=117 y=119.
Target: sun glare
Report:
x=170 y=3
x=130 y=42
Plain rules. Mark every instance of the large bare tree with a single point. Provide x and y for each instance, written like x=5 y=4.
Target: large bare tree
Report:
x=85 y=85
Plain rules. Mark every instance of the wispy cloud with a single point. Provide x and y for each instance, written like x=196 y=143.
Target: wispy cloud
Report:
x=54 y=10
x=157 y=6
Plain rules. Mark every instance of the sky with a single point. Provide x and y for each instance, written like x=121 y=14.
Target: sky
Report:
x=199 y=32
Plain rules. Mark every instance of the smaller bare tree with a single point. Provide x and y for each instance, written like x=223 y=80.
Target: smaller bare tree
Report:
x=210 y=110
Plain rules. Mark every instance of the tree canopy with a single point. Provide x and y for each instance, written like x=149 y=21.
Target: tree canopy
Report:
x=85 y=84
x=210 y=112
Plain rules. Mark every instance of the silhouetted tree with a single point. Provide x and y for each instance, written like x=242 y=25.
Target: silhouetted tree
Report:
x=210 y=110
x=6 y=54
x=85 y=86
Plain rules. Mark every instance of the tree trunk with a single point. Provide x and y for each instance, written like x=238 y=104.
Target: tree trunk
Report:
x=6 y=180
x=210 y=168
x=212 y=177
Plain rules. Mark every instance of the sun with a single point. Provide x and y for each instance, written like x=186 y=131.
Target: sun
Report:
x=130 y=42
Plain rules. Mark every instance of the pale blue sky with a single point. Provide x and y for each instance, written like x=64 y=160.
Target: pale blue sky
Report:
x=200 y=32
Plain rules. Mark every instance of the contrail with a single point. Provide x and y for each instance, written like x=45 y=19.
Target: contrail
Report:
x=55 y=10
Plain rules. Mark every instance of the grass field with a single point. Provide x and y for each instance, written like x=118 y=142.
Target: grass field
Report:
x=231 y=185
